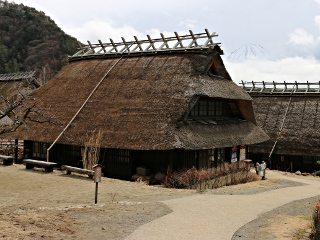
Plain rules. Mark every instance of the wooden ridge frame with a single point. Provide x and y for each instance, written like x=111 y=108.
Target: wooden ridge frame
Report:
x=178 y=43
x=281 y=87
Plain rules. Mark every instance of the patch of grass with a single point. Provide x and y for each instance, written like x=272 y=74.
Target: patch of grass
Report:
x=265 y=233
x=306 y=218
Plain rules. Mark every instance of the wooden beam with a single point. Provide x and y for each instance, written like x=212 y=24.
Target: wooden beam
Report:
x=165 y=42
x=194 y=41
x=81 y=48
x=263 y=87
x=179 y=41
x=126 y=46
x=114 y=46
x=101 y=44
x=296 y=88
x=274 y=87
x=91 y=47
x=209 y=38
x=151 y=43
x=252 y=86
x=308 y=87
x=138 y=45
x=285 y=87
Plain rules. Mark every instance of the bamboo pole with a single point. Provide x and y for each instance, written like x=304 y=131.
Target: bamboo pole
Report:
x=281 y=127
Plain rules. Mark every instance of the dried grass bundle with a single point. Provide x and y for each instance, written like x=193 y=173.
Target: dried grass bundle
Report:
x=92 y=150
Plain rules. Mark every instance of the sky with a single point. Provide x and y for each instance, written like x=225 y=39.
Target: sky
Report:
x=265 y=40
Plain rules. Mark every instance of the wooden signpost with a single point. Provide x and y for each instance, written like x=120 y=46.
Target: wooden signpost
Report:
x=97 y=178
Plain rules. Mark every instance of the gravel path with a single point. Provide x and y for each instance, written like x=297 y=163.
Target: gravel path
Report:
x=212 y=216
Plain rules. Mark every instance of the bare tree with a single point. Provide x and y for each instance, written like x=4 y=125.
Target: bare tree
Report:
x=20 y=107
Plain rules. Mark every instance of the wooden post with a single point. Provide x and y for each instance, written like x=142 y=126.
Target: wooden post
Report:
x=96 y=194
x=16 y=150
x=97 y=178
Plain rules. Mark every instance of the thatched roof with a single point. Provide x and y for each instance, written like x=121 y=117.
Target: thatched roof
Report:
x=300 y=134
x=11 y=84
x=17 y=76
x=229 y=133
x=142 y=102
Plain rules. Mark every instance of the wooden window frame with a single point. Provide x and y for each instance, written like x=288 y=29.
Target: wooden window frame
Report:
x=214 y=158
x=119 y=156
x=209 y=107
x=39 y=150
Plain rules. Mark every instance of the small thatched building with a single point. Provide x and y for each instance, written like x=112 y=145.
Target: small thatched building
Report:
x=156 y=106
x=12 y=83
x=290 y=114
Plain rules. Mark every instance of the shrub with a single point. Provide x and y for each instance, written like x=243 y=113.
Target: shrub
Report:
x=315 y=231
x=227 y=174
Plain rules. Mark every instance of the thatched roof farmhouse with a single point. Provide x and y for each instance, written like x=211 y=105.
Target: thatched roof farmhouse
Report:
x=158 y=103
x=289 y=114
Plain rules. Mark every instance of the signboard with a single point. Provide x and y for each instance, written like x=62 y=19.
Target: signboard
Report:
x=97 y=174
x=242 y=153
x=234 y=154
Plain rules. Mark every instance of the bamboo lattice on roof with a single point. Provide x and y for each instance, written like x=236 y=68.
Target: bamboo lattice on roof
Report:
x=163 y=44
x=17 y=76
x=281 y=88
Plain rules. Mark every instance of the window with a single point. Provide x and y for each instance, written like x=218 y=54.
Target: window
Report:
x=73 y=151
x=210 y=107
x=118 y=156
x=220 y=157
x=310 y=160
x=203 y=108
x=211 y=158
x=202 y=161
x=40 y=150
x=218 y=108
x=211 y=162
x=195 y=110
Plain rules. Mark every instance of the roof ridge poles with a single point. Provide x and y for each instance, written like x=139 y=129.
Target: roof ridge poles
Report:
x=93 y=91
x=281 y=127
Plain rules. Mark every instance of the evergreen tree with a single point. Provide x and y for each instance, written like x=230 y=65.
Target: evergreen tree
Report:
x=30 y=40
x=15 y=66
